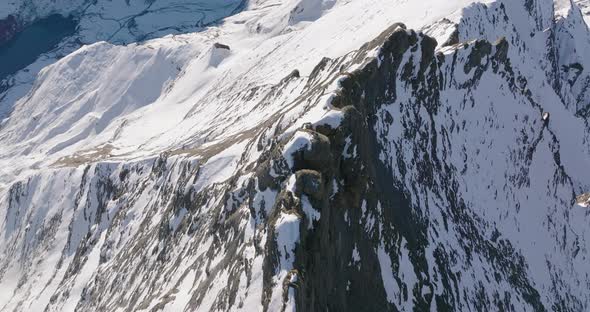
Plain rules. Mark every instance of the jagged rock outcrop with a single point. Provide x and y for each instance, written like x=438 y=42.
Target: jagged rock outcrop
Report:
x=412 y=172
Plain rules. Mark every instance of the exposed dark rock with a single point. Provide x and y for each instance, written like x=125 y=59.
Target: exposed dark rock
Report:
x=453 y=38
x=502 y=46
x=309 y=182
x=376 y=183
x=317 y=157
x=480 y=50
x=330 y=282
x=319 y=67
x=218 y=45
x=294 y=74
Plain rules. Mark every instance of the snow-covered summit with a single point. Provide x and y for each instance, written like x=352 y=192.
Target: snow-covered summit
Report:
x=122 y=103
x=286 y=155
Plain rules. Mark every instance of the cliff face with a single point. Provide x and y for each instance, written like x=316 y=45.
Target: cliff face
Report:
x=376 y=168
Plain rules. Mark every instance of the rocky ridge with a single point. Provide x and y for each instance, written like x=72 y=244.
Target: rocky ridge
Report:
x=412 y=173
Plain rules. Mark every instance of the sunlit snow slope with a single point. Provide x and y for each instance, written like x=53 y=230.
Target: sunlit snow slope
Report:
x=118 y=22
x=361 y=155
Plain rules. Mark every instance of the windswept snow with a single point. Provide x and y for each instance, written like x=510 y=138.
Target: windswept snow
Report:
x=154 y=162
x=181 y=104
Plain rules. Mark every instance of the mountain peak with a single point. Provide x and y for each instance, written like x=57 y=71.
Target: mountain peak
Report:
x=303 y=155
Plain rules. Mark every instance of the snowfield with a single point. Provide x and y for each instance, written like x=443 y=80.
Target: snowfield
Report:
x=302 y=155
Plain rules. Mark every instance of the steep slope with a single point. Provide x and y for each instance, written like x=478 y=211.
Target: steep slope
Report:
x=118 y=22
x=320 y=157
x=122 y=21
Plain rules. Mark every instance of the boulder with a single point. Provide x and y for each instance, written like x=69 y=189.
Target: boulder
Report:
x=310 y=183
x=308 y=149
x=317 y=157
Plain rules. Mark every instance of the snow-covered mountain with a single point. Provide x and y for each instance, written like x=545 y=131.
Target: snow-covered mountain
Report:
x=310 y=155
x=123 y=21
x=117 y=22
